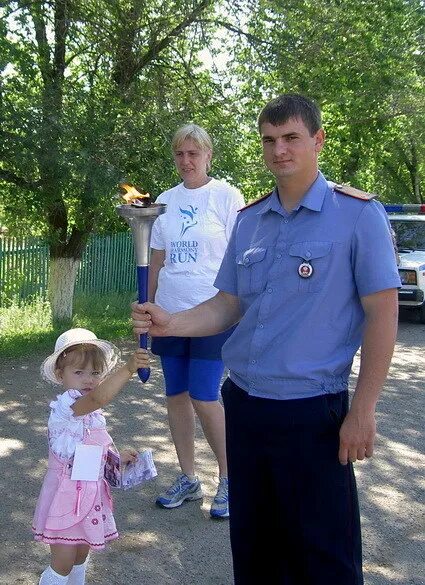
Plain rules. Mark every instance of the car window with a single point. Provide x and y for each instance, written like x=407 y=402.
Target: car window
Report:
x=410 y=235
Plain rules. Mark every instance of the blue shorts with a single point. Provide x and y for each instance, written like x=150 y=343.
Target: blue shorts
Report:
x=204 y=348
x=201 y=378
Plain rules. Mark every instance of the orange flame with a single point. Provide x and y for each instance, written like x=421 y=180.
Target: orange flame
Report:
x=132 y=194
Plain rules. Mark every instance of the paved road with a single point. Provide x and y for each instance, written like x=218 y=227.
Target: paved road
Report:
x=183 y=546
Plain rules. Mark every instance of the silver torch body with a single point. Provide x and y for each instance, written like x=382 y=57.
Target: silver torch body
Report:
x=141 y=220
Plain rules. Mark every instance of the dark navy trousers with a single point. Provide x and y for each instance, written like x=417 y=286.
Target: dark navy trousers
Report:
x=294 y=516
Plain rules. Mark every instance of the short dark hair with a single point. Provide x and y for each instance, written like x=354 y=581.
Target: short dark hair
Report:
x=291 y=105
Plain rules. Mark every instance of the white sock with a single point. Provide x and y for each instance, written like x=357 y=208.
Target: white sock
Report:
x=78 y=574
x=50 y=577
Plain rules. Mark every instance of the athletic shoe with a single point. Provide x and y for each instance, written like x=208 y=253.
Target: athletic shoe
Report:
x=182 y=489
x=220 y=505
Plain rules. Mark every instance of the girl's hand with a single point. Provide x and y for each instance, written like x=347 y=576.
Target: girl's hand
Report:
x=128 y=456
x=139 y=359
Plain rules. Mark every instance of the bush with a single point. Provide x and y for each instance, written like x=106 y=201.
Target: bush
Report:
x=26 y=328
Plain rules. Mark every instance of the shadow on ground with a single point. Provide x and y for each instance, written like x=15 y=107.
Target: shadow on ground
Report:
x=161 y=547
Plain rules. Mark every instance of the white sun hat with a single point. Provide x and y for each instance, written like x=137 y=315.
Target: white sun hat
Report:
x=75 y=337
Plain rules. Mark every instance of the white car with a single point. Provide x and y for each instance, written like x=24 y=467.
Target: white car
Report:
x=410 y=237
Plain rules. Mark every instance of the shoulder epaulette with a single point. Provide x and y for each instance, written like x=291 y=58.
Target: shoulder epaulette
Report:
x=353 y=192
x=255 y=202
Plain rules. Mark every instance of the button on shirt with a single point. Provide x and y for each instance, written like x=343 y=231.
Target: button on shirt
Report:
x=298 y=336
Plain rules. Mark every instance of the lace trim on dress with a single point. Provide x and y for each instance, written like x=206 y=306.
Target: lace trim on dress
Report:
x=65 y=429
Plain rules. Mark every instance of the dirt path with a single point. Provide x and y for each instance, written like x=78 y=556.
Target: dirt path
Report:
x=183 y=546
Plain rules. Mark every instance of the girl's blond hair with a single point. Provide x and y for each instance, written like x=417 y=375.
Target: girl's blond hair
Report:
x=80 y=356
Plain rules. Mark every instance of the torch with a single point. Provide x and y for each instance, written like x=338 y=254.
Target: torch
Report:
x=140 y=213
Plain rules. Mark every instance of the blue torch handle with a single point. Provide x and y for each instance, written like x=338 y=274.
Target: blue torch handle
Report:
x=142 y=288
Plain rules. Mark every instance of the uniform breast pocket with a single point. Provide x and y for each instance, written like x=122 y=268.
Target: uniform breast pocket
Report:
x=311 y=263
x=251 y=270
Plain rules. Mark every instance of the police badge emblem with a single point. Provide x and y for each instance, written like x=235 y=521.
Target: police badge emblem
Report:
x=305 y=270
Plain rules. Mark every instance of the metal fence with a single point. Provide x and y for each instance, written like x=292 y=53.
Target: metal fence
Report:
x=107 y=265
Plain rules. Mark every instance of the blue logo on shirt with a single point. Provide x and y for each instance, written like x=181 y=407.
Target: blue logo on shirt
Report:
x=188 y=218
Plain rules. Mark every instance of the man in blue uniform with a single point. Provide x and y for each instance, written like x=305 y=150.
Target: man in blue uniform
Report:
x=310 y=276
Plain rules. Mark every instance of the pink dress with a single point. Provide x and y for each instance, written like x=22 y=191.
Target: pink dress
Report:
x=68 y=511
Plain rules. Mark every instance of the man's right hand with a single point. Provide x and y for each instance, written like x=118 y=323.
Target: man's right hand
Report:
x=149 y=318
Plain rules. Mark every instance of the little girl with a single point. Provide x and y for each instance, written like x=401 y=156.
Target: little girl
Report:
x=74 y=516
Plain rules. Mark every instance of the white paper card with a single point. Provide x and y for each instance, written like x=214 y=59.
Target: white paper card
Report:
x=87 y=461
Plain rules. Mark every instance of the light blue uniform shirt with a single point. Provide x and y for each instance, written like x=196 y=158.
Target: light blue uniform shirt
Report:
x=298 y=336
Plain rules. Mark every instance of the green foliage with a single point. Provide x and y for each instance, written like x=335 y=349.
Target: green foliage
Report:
x=11 y=287
x=27 y=328
x=107 y=315
x=23 y=270
x=98 y=103
x=363 y=61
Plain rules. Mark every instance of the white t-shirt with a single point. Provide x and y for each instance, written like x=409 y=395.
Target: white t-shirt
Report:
x=194 y=232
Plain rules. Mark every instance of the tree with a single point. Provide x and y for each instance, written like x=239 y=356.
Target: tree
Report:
x=363 y=61
x=89 y=91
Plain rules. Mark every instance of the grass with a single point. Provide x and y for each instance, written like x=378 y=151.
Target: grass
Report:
x=28 y=328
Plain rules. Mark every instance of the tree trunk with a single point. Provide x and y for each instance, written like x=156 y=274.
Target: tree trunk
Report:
x=62 y=276
x=417 y=187
x=414 y=173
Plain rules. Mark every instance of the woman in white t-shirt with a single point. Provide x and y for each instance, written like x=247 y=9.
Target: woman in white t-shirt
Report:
x=187 y=246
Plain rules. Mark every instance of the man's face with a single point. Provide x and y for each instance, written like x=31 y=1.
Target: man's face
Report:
x=289 y=150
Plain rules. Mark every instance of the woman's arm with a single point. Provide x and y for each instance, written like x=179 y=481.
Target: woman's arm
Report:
x=156 y=263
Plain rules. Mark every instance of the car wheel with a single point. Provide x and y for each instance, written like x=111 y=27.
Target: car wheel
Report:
x=421 y=313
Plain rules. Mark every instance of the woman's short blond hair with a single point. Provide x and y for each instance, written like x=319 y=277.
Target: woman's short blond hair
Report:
x=199 y=136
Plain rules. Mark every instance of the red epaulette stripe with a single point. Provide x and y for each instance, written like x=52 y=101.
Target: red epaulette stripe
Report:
x=256 y=201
